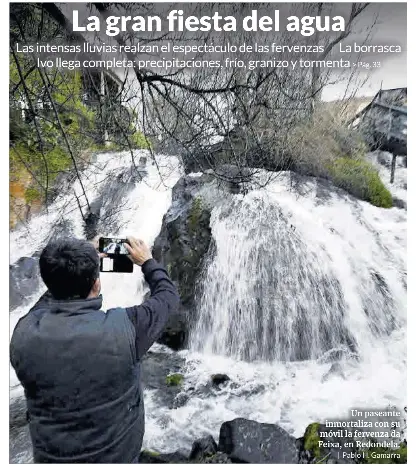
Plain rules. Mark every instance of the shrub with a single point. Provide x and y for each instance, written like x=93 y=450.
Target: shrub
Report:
x=313 y=145
x=360 y=178
x=24 y=154
x=27 y=153
x=325 y=146
x=32 y=195
x=139 y=140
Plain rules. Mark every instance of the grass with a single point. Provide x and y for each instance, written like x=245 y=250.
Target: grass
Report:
x=361 y=179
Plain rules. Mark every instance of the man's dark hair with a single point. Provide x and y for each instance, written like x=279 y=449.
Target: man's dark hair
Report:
x=69 y=268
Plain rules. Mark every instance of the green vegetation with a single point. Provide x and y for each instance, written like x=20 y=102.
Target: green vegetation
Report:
x=58 y=117
x=311 y=439
x=67 y=96
x=45 y=166
x=39 y=145
x=32 y=195
x=360 y=178
x=324 y=146
x=174 y=380
x=151 y=453
x=139 y=141
x=195 y=213
x=38 y=149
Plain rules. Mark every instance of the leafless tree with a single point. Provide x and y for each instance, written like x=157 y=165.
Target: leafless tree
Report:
x=209 y=116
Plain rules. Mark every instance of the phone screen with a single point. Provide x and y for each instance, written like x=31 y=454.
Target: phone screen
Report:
x=116 y=259
x=113 y=246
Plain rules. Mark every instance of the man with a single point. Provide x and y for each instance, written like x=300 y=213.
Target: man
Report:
x=80 y=366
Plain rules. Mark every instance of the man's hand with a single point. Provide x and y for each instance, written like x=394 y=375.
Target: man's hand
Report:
x=138 y=250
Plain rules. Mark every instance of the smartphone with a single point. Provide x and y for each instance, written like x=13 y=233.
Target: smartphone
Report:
x=117 y=259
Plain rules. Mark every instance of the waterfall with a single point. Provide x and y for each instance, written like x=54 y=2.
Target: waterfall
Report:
x=291 y=282
x=292 y=277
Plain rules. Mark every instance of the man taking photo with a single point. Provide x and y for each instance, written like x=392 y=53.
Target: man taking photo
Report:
x=80 y=366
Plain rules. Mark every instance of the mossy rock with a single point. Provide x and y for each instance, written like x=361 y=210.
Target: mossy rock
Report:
x=373 y=455
x=174 y=380
x=361 y=179
x=151 y=453
x=182 y=246
x=311 y=439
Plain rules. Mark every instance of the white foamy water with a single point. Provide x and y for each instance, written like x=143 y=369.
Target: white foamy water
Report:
x=294 y=276
x=332 y=271
x=327 y=270
x=290 y=394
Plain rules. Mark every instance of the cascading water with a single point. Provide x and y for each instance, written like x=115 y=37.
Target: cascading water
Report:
x=302 y=304
x=291 y=282
x=293 y=277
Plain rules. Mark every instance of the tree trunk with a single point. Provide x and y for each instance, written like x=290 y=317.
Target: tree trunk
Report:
x=393 y=168
x=102 y=99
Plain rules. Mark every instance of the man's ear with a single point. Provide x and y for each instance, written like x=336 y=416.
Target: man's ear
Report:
x=96 y=289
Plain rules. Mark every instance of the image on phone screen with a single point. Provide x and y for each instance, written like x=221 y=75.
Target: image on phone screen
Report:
x=113 y=246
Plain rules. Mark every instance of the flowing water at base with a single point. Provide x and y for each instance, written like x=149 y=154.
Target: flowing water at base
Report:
x=294 y=283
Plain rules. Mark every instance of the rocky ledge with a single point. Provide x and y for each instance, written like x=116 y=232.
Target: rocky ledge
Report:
x=182 y=244
x=245 y=441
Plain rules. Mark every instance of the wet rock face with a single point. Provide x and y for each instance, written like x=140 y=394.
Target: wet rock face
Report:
x=176 y=331
x=204 y=447
x=246 y=441
x=218 y=458
x=334 y=451
x=219 y=379
x=181 y=246
x=20 y=445
x=240 y=441
x=24 y=280
x=399 y=203
x=148 y=456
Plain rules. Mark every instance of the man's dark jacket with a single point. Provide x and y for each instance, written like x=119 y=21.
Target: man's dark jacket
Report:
x=80 y=369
